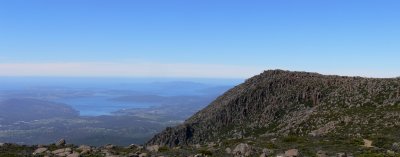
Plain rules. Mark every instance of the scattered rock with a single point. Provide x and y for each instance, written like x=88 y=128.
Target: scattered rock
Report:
x=198 y=155
x=133 y=146
x=321 y=153
x=263 y=155
x=341 y=155
x=242 y=150
x=176 y=148
x=395 y=146
x=62 y=152
x=153 y=148
x=61 y=142
x=143 y=155
x=280 y=155
x=228 y=150
x=109 y=146
x=292 y=153
x=267 y=152
x=2 y=144
x=212 y=144
x=367 y=143
x=74 y=154
x=39 y=151
x=85 y=149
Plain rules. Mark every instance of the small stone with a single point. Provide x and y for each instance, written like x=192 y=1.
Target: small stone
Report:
x=109 y=146
x=341 y=155
x=292 y=153
x=85 y=149
x=133 y=146
x=143 y=155
x=367 y=143
x=242 y=150
x=396 y=146
x=62 y=152
x=212 y=144
x=228 y=150
x=153 y=148
x=280 y=155
x=68 y=150
x=267 y=151
x=198 y=155
x=321 y=153
x=39 y=151
x=61 y=142
x=58 y=151
x=74 y=154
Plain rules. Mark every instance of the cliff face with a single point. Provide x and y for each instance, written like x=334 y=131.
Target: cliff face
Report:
x=297 y=103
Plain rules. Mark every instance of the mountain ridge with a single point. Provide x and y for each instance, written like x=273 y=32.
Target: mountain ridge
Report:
x=282 y=103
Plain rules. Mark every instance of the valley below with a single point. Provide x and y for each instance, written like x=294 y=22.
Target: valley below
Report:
x=100 y=113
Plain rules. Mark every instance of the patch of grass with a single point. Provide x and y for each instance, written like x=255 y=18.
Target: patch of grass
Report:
x=205 y=152
x=293 y=139
x=163 y=149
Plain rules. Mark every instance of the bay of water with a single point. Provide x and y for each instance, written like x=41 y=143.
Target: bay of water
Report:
x=100 y=105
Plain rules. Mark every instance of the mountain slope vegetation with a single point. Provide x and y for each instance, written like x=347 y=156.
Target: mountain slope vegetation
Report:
x=296 y=108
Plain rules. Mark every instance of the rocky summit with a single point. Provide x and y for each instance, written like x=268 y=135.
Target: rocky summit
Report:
x=280 y=110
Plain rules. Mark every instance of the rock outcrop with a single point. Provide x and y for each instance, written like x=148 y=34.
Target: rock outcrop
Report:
x=300 y=103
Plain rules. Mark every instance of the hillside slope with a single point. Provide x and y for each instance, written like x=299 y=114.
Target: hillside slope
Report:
x=280 y=103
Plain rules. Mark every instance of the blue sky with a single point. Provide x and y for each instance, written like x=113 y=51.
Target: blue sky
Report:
x=199 y=38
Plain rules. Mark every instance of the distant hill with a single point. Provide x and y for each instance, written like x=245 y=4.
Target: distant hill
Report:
x=277 y=105
x=12 y=110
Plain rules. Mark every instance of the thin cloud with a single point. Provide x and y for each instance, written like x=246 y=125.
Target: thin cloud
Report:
x=127 y=70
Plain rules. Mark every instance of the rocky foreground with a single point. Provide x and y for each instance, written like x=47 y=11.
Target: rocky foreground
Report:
x=61 y=149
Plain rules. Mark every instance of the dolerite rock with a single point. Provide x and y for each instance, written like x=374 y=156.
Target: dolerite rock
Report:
x=143 y=155
x=395 y=146
x=61 y=142
x=242 y=150
x=134 y=146
x=74 y=154
x=62 y=152
x=228 y=150
x=85 y=149
x=39 y=151
x=267 y=152
x=153 y=148
x=292 y=153
x=283 y=102
x=109 y=146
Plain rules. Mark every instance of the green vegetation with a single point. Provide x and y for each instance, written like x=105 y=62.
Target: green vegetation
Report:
x=205 y=152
